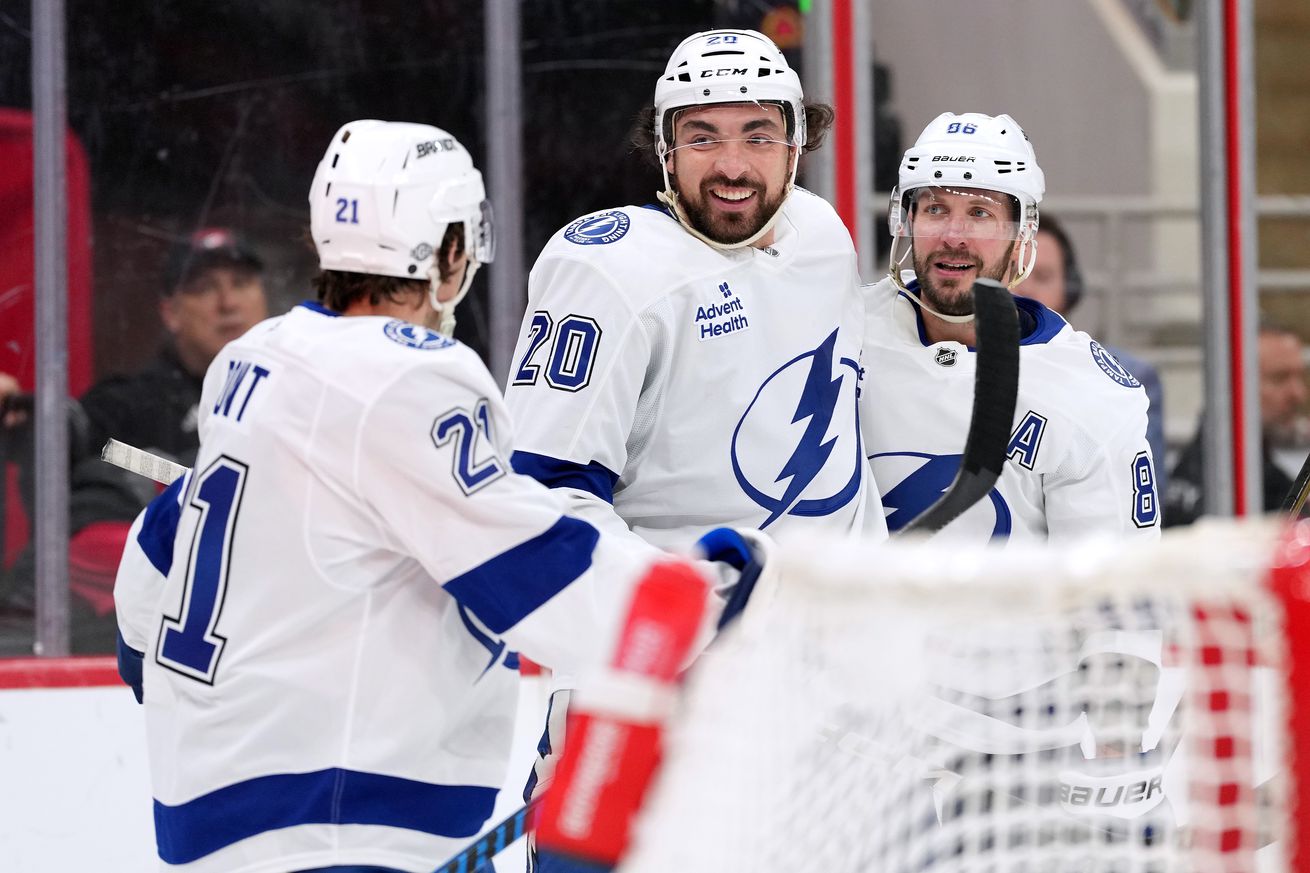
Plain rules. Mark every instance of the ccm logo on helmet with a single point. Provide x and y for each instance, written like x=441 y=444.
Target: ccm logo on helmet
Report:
x=964 y=159
x=431 y=147
x=723 y=71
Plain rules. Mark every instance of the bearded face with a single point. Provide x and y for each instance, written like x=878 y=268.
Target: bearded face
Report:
x=960 y=236
x=729 y=166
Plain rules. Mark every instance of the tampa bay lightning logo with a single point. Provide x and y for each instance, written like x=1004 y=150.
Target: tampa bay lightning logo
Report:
x=414 y=336
x=1111 y=366
x=921 y=479
x=598 y=230
x=813 y=395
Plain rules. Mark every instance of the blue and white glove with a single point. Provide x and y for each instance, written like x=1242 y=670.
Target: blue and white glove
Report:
x=744 y=551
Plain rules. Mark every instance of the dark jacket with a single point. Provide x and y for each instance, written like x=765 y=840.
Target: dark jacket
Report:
x=1184 y=499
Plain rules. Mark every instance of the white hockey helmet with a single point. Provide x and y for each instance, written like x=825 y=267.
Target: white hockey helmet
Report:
x=726 y=66
x=971 y=150
x=383 y=196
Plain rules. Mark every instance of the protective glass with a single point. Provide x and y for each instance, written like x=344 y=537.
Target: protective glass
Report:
x=972 y=213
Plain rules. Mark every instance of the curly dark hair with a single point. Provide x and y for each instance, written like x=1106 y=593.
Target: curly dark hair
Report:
x=818 y=121
x=339 y=290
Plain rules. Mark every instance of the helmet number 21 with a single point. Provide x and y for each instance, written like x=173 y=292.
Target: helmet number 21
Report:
x=347 y=211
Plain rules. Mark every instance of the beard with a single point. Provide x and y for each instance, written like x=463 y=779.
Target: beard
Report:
x=952 y=296
x=724 y=227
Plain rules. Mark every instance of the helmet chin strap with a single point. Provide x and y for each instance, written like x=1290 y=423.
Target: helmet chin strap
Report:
x=1027 y=253
x=446 y=311
x=669 y=198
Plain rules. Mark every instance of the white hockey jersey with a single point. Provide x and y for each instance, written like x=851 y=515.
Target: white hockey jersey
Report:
x=1079 y=462
x=670 y=387
x=346 y=570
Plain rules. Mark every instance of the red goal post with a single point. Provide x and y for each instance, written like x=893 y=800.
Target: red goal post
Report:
x=922 y=706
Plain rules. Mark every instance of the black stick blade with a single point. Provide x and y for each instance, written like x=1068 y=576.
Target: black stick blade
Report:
x=995 y=393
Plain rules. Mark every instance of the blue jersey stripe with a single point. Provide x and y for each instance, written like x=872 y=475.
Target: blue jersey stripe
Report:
x=192 y=830
x=159 y=527
x=592 y=478
x=514 y=583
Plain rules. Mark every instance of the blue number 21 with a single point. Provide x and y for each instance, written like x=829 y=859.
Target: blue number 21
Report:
x=189 y=644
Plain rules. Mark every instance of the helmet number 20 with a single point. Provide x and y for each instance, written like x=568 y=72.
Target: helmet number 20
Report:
x=347 y=211
x=957 y=127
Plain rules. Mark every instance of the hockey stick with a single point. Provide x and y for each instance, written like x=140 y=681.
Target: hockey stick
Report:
x=1294 y=502
x=995 y=392
x=141 y=462
x=480 y=852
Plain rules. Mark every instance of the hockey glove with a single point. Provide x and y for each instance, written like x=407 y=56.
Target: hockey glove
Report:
x=744 y=552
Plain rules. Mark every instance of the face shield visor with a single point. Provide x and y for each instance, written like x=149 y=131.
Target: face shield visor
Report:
x=464 y=199
x=480 y=235
x=959 y=213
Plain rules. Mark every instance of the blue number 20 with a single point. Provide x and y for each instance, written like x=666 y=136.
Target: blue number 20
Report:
x=572 y=353
x=189 y=644
x=1146 y=504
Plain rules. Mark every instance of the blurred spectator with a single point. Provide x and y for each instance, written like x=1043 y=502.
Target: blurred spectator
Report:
x=1282 y=396
x=1057 y=284
x=213 y=292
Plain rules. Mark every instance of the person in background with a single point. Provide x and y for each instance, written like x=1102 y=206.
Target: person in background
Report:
x=1282 y=396
x=1057 y=283
x=212 y=293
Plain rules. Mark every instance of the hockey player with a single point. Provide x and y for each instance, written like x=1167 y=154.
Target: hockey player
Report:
x=696 y=363
x=1078 y=460
x=324 y=607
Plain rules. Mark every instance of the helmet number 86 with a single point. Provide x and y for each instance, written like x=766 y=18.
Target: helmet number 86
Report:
x=957 y=127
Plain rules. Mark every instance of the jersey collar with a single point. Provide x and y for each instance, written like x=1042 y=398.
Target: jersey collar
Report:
x=1037 y=324
x=315 y=306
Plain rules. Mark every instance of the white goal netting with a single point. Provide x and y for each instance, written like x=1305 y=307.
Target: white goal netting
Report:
x=916 y=706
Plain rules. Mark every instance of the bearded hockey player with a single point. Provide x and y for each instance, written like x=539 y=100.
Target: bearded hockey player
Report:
x=695 y=362
x=1078 y=461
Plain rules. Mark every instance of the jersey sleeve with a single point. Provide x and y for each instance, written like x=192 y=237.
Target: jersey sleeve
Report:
x=575 y=385
x=147 y=558
x=434 y=466
x=1107 y=481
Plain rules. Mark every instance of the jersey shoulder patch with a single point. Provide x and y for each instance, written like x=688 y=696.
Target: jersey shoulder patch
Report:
x=415 y=336
x=1111 y=366
x=599 y=229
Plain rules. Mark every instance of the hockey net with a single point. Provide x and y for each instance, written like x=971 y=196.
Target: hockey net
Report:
x=913 y=706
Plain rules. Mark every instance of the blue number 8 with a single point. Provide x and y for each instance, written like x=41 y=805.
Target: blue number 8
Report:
x=1146 y=505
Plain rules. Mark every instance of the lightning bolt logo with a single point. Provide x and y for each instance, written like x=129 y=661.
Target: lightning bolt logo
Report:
x=921 y=488
x=817 y=403
x=819 y=398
